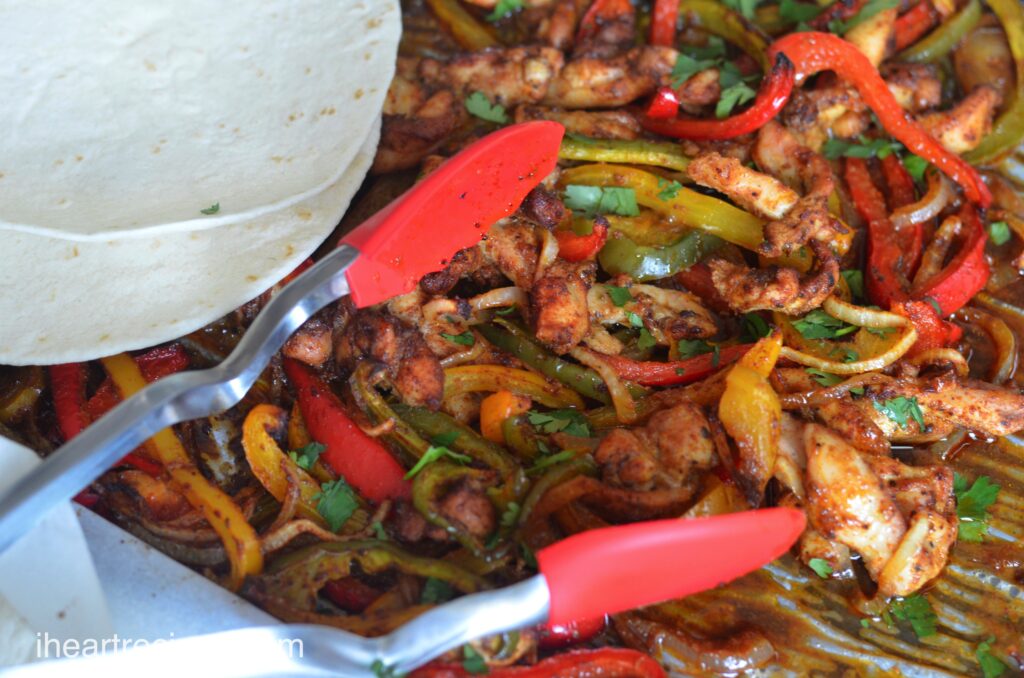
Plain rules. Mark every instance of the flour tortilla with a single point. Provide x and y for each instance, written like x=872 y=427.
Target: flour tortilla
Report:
x=129 y=117
x=67 y=301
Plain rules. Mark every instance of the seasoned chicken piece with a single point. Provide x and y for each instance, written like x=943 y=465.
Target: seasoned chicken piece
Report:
x=312 y=343
x=404 y=94
x=619 y=124
x=813 y=546
x=466 y=506
x=462 y=264
x=983 y=57
x=614 y=32
x=663 y=454
x=975 y=405
x=850 y=421
x=915 y=86
x=544 y=208
x=558 y=304
x=668 y=314
x=775 y=288
x=508 y=76
x=962 y=128
x=559 y=29
x=916 y=488
x=413 y=368
x=406 y=139
x=812 y=113
x=872 y=37
x=610 y=83
x=757 y=192
x=921 y=555
x=846 y=502
x=511 y=245
x=791 y=459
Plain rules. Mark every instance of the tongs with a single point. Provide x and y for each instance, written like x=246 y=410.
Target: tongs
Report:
x=590 y=574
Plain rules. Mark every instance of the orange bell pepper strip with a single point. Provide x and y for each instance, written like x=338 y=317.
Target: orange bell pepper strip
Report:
x=241 y=543
x=496 y=408
x=914 y=24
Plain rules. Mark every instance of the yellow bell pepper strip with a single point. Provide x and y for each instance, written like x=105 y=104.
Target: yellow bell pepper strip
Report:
x=22 y=394
x=467 y=31
x=715 y=17
x=1008 y=131
x=268 y=462
x=241 y=543
x=943 y=39
x=624 y=151
x=496 y=408
x=751 y=413
x=494 y=378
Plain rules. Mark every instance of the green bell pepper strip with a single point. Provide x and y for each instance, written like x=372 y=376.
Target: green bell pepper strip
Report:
x=378 y=410
x=623 y=256
x=630 y=152
x=715 y=17
x=556 y=475
x=943 y=39
x=1008 y=130
x=520 y=437
x=430 y=485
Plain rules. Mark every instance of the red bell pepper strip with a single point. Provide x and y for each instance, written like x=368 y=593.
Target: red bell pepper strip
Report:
x=365 y=464
x=966 y=274
x=914 y=23
x=607 y=662
x=350 y=594
x=697 y=279
x=665 y=104
x=771 y=97
x=556 y=636
x=932 y=331
x=901 y=194
x=601 y=12
x=154 y=364
x=653 y=373
x=572 y=247
x=815 y=52
x=663 y=22
x=885 y=280
x=67 y=385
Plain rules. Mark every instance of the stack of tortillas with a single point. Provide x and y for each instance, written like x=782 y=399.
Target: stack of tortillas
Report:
x=161 y=163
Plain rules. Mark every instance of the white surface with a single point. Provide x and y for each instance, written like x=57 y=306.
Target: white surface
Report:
x=47 y=577
x=128 y=115
x=71 y=301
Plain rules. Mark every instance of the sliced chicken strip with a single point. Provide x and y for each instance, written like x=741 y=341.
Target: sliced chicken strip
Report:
x=962 y=128
x=610 y=83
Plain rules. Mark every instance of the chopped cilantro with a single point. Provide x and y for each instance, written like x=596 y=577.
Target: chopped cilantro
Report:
x=634 y=320
x=511 y=514
x=382 y=670
x=824 y=378
x=754 y=327
x=472 y=661
x=645 y=340
x=857 y=391
x=713 y=48
x=436 y=591
x=869 y=10
x=918 y=611
x=855 y=281
x=592 y=200
x=529 y=557
x=972 y=505
x=899 y=409
x=479 y=105
x=991 y=666
x=865 y=623
x=336 y=502
x=445 y=439
x=798 y=12
x=915 y=166
x=434 y=453
x=862 y=148
x=820 y=567
x=378 y=530
x=820 y=325
x=999 y=232
x=733 y=96
x=464 y=339
x=744 y=7
x=850 y=356
x=620 y=296
x=669 y=189
x=551 y=460
x=306 y=456
x=570 y=422
x=212 y=209
x=691 y=348
x=687 y=66
x=504 y=8
x=880 y=331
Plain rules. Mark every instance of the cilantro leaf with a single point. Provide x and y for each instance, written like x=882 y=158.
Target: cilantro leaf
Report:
x=713 y=48
x=336 y=502
x=511 y=514
x=754 y=327
x=744 y=7
x=991 y=666
x=869 y=10
x=464 y=339
x=999 y=232
x=620 y=296
x=434 y=453
x=479 y=105
x=529 y=557
x=820 y=325
x=212 y=209
x=645 y=340
x=918 y=611
x=855 y=281
x=592 y=200
x=306 y=456
x=382 y=670
x=687 y=66
x=972 y=505
x=551 y=460
x=378 y=530
x=691 y=348
x=797 y=12
x=899 y=409
x=731 y=97
x=669 y=189
x=472 y=661
x=824 y=378
x=503 y=9
x=862 y=148
x=915 y=166
x=436 y=591
x=820 y=567
x=634 y=320
x=570 y=422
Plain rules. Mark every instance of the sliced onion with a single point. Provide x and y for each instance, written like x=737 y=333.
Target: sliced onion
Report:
x=467 y=356
x=862 y=316
x=935 y=255
x=940 y=193
x=906 y=339
x=502 y=297
x=280 y=536
x=622 y=400
x=942 y=355
x=548 y=252
x=1003 y=338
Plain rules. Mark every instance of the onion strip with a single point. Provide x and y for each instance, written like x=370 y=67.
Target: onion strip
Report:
x=862 y=316
x=898 y=349
x=1003 y=339
x=935 y=255
x=548 y=253
x=498 y=298
x=935 y=356
x=940 y=193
